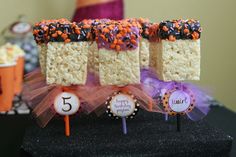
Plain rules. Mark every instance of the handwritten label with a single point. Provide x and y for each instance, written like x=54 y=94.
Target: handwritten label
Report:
x=66 y=103
x=122 y=105
x=179 y=101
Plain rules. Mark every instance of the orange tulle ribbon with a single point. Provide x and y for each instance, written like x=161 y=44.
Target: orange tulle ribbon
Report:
x=40 y=96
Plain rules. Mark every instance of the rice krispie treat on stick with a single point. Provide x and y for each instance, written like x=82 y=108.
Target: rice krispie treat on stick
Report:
x=67 y=52
x=93 y=57
x=118 y=53
x=153 y=41
x=144 y=45
x=148 y=42
x=40 y=32
x=178 y=52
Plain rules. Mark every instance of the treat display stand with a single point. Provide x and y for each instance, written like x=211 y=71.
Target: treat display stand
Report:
x=148 y=135
x=25 y=143
x=123 y=85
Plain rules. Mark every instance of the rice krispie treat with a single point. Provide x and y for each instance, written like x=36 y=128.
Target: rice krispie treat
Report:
x=118 y=53
x=93 y=57
x=66 y=51
x=41 y=32
x=148 y=42
x=153 y=41
x=144 y=45
x=67 y=63
x=42 y=48
x=178 y=51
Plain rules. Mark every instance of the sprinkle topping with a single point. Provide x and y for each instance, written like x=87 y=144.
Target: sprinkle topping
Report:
x=118 y=35
x=145 y=24
x=61 y=30
x=179 y=29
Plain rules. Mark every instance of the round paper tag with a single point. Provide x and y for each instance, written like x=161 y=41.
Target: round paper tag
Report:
x=21 y=28
x=66 y=103
x=178 y=101
x=122 y=105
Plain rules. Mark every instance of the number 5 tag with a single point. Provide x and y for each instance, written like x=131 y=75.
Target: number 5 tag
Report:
x=66 y=103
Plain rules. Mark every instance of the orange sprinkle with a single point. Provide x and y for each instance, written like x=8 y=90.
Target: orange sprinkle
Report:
x=195 y=35
x=172 y=38
x=35 y=31
x=111 y=27
x=117 y=47
x=120 y=42
x=165 y=28
x=141 y=20
x=124 y=31
x=133 y=41
x=54 y=35
x=102 y=36
x=59 y=32
x=64 y=36
x=118 y=35
x=128 y=30
x=112 y=46
x=106 y=30
x=186 y=31
x=45 y=28
x=67 y=40
x=115 y=41
x=77 y=31
x=132 y=36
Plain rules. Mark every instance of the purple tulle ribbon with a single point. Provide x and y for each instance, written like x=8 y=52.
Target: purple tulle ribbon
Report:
x=156 y=88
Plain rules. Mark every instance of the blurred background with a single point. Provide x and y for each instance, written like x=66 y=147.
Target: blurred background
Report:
x=217 y=17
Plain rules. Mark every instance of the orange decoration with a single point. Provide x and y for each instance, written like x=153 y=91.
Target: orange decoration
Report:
x=133 y=42
x=106 y=30
x=64 y=36
x=6 y=86
x=67 y=40
x=54 y=35
x=115 y=41
x=186 y=31
x=117 y=47
x=172 y=38
x=67 y=125
x=119 y=36
x=112 y=46
x=120 y=42
x=77 y=31
x=165 y=28
x=195 y=35
x=19 y=74
x=59 y=32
